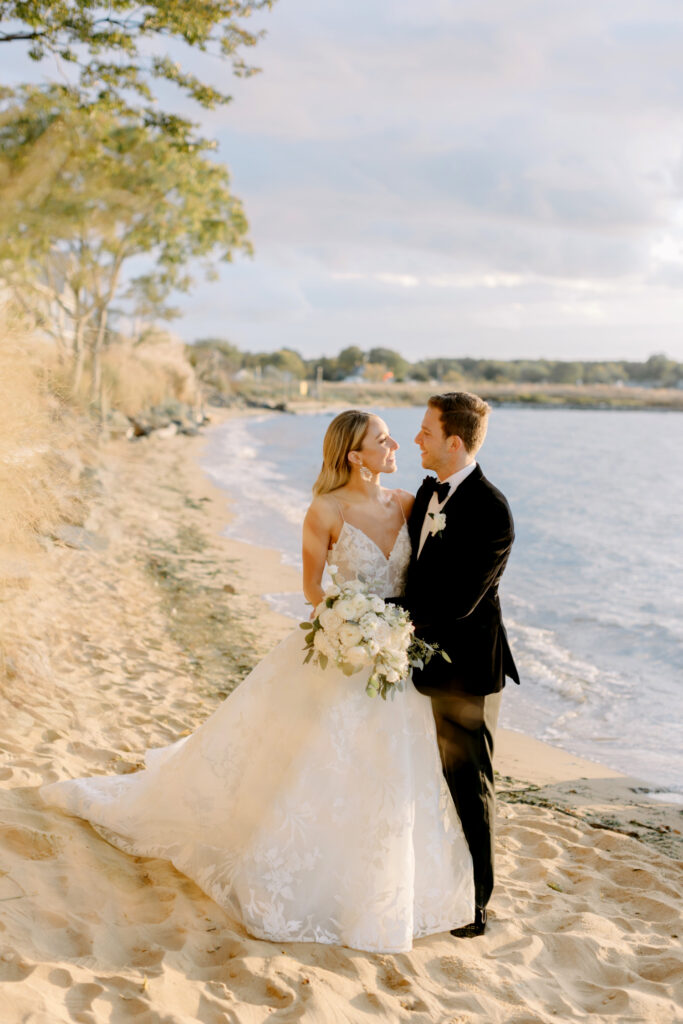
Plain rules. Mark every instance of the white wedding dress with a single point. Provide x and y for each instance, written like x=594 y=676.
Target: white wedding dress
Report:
x=305 y=808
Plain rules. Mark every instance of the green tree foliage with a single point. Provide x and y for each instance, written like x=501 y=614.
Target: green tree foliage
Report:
x=122 y=48
x=393 y=361
x=84 y=193
x=349 y=360
x=230 y=356
x=464 y=372
x=286 y=361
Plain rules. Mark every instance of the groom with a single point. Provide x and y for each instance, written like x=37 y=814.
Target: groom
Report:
x=461 y=532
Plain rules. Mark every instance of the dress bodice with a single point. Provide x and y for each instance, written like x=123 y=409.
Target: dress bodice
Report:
x=355 y=554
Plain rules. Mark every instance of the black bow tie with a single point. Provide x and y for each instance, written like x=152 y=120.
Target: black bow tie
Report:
x=432 y=485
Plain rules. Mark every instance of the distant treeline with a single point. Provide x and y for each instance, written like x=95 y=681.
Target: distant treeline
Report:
x=214 y=356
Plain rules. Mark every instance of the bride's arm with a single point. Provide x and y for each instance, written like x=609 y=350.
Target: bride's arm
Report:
x=320 y=531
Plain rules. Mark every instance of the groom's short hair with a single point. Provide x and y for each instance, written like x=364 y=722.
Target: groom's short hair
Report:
x=464 y=414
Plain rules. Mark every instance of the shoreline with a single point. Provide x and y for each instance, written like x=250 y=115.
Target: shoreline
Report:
x=130 y=643
x=342 y=394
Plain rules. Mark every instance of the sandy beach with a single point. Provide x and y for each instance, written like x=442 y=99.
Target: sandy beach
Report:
x=127 y=636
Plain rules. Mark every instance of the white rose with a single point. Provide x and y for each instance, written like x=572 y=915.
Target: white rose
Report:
x=333 y=591
x=392 y=676
x=344 y=608
x=350 y=635
x=360 y=604
x=377 y=604
x=356 y=656
x=330 y=620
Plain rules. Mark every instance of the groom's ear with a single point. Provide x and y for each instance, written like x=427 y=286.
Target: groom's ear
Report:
x=455 y=442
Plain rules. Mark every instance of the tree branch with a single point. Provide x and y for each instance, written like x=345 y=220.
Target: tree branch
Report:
x=7 y=37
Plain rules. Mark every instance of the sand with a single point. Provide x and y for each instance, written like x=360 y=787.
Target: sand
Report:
x=131 y=642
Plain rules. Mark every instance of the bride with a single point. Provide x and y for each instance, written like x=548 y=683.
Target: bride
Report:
x=308 y=810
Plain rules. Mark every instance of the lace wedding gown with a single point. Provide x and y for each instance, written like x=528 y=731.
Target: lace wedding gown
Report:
x=307 y=809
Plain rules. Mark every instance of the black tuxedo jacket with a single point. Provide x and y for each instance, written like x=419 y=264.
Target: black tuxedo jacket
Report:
x=452 y=589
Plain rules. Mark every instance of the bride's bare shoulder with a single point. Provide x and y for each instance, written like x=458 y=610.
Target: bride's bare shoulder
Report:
x=323 y=511
x=405 y=499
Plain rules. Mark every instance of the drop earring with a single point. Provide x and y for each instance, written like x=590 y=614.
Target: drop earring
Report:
x=365 y=473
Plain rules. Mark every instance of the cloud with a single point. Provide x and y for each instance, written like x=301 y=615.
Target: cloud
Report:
x=455 y=175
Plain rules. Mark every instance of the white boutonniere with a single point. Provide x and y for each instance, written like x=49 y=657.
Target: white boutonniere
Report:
x=438 y=522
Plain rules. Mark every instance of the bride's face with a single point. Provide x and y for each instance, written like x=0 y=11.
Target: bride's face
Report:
x=378 y=450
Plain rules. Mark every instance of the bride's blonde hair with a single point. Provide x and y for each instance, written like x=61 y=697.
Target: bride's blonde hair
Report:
x=345 y=434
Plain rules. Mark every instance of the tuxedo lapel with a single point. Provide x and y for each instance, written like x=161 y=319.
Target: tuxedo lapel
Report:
x=417 y=516
x=461 y=492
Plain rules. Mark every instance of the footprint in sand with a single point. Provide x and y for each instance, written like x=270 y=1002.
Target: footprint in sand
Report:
x=28 y=842
x=13 y=967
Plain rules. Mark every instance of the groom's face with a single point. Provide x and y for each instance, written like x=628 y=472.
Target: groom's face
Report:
x=435 y=447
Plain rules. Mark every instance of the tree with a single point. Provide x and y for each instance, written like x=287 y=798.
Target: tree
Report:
x=662 y=370
x=84 y=192
x=566 y=373
x=349 y=360
x=119 y=47
x=393 y=361
x=286 y=361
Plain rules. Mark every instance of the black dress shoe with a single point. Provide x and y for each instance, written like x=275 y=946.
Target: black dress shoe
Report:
x=470 y=931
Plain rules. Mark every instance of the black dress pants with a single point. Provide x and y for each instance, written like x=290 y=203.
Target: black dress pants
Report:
x=466 y=726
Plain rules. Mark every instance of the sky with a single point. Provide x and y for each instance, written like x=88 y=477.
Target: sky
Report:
x=499 y=178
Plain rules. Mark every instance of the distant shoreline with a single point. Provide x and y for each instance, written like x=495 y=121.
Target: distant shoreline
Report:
x=343 y=394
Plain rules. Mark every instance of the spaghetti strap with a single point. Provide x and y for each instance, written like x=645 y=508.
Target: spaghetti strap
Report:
x=400 y=505
x=337 y=503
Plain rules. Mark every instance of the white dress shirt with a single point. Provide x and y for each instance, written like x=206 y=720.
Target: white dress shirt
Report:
x=435 y=505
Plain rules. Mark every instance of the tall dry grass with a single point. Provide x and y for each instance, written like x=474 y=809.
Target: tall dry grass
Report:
x=149 y=373
x=42 y=441
x=48 y=435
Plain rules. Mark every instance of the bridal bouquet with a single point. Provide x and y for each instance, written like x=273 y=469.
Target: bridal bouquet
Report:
x=355 y=629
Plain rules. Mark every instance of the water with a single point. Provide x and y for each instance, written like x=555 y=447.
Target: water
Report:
x=592 y=594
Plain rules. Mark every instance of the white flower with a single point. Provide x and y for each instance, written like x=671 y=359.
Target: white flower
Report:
x=330 y=619
x=369 y=623
x=438 y=522
x=356 y=656
x=333 y=569
x=377 y=604
x=352 y=607
x=333 y=591
x=406 y=634
x=322 y=643
x=361 y=604
x=350 y=635
x=343 y=608
x=383 y=634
